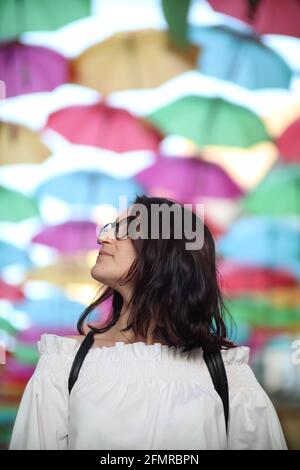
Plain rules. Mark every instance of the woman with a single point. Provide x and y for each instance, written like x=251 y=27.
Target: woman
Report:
x=143 y=382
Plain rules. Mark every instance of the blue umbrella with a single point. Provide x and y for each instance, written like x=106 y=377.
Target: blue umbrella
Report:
x=239 y=57
x=263 y=241
x=51 y=312
x=12 y=254
x=89 y=187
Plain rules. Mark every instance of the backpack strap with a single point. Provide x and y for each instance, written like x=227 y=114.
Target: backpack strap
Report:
x=79 y=358
x=216 y=368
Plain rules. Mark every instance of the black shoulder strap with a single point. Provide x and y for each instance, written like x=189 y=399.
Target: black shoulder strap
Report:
x=79 y=358
x=217 y=371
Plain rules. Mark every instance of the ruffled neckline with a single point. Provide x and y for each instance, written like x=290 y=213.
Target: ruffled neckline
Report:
x=52 y=343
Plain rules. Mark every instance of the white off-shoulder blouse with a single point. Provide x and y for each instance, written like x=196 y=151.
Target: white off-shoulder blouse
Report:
x=139 y=396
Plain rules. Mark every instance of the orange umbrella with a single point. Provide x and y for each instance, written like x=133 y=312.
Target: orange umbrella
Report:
x=135 y=59
x=20 y=145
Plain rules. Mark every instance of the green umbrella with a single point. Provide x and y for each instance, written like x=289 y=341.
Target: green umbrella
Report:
x=210 y=121
x=19 y=16
x=260 y=312
x=278 y=193
x=15 y=206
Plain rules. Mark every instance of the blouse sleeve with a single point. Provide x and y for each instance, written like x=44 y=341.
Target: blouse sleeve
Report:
x=42 y=418
x=253 y=421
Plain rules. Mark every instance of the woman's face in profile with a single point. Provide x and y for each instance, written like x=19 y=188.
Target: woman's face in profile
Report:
x=117 y=257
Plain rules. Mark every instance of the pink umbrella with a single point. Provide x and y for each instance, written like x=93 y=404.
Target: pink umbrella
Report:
x=9 y=292
x=29 y=69
x=239 y=279
x=103 y=126
x=266 y=16
x=187 y=180
x=289 y=143
x=69 y=237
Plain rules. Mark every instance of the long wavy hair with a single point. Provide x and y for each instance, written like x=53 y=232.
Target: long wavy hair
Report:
x=175 y=288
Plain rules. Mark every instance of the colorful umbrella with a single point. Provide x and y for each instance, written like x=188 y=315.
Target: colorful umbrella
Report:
x=258 y=312
x=265 y=16
x=204 y=179
x=289 y=143
x=103 y=126
x=20 y=145
x=15 y=206
x=88 y=187
x=28 y=69
x=69 y=270
x=238 y=278
x=263 y=241
x=244 y=60
x=210 y=121
x=53 y=312
x=33 y=15
x=284 y=297
x=132 y=59
x=278 y=192
x=69 y=237
x=11 y=254
x=10 y=292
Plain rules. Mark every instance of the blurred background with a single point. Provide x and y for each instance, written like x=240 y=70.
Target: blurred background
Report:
x=194 y=100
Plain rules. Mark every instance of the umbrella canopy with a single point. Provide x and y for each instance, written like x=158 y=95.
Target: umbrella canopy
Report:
x=238 y=278
x=33 y=15
x=278 y=192
x=210 y=121
x=263 y=241
x=284 y=297
x=88 y=187
x=11 y=254
x=10 y=292
x=103 y=126
x=244 y=60
x=289 y=143
x=28 y=69
x=69 y=237
x=187 y=179
x=58 y=312
x=15 y=206
x=265 y=16
x=258 y=312
x=20 y=145
x=68 y=270
x=132 y=59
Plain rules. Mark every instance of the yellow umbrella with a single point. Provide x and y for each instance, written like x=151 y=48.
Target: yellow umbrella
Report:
x=20 y=145
x=130 y=60
x=284 y=297
x=69 y=270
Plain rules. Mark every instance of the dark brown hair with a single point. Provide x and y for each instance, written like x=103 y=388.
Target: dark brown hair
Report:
x=175 y=287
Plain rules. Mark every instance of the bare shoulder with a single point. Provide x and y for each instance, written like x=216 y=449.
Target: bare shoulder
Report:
x=102 y=339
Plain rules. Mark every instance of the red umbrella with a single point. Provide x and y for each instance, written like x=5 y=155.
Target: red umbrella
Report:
x=103 y=126
x=239 y=279
x=9 y=292
x=265 y=16
x=28 y=69
x=289 y=143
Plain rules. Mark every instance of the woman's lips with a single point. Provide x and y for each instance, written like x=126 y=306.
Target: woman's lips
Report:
x=103 y=254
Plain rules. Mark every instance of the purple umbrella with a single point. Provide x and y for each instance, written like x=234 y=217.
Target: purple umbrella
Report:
x=28 y=69
x=69 y=237
x=187 y=180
